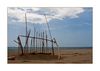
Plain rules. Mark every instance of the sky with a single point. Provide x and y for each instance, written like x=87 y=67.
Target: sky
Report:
x=71 y=26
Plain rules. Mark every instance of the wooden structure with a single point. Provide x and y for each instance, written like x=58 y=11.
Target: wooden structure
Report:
x=40 y=39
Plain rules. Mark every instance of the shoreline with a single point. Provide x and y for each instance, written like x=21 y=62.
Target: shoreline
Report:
x=68 y=56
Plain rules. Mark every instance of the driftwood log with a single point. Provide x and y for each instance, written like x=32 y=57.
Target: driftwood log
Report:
x=11 y=58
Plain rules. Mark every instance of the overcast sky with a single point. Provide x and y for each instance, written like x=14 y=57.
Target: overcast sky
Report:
x=72 y=27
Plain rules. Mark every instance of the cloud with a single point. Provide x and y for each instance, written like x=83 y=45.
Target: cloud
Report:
x=36 y=15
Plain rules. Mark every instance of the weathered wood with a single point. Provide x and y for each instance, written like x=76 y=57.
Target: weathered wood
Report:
x=52 y=47
x=59 y=57
x=46 y=42
x=26 y=44
x=43 y=43
x=34 y=38
x=20 y=45
x=39 y=42
x=36 y=41
x=11 y=58
x=31 y=45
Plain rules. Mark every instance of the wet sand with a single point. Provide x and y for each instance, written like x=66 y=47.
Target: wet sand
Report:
x=68 y=56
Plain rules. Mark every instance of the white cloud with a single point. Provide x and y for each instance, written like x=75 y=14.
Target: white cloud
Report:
x=35 y=15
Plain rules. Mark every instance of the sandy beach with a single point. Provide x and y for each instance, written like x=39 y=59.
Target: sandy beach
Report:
x=68 y=56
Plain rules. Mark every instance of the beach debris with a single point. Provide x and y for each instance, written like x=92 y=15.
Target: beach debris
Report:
x=11 y=58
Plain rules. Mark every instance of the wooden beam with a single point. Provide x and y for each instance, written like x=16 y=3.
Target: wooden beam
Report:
x=36 y=37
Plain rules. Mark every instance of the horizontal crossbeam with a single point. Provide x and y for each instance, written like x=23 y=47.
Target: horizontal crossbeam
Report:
x=37 y=38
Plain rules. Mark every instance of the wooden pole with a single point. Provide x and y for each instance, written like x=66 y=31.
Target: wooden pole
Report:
x=52 y=47
x=18 y=49
x=40 y=41
x=58 y=48
x=31 y=45
x=50 y=34
x=20 y=45
x=48 y=27
x=34 y=39
x=43 y=43
x=26 y=45
x=46 y=42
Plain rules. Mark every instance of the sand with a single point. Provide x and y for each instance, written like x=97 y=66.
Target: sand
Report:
x=68 y=56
